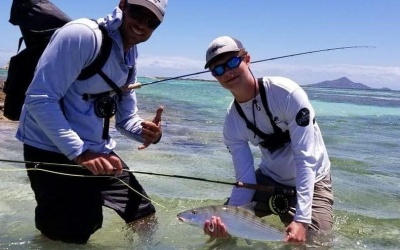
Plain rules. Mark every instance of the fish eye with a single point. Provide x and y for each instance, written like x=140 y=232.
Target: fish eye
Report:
x=194 y=212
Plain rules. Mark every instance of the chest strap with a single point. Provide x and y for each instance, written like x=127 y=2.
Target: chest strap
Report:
x=271 y=141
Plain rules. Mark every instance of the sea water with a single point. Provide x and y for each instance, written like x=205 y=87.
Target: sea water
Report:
x=360 y=129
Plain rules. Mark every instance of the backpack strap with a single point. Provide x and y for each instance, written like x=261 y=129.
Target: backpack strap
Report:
x=112 y=84
x=96 y=66
x=249 y=125
x=271 y=141
x=101 y=59
x=265 y=104
x=20 y=40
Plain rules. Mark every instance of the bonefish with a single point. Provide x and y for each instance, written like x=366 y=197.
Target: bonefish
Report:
x=239 y=222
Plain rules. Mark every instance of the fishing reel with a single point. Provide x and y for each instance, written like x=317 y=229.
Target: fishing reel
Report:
x=279 y=204
x=105 y=106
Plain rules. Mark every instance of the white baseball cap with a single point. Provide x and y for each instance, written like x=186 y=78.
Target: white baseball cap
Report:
x=156 y=6
x=221 y=45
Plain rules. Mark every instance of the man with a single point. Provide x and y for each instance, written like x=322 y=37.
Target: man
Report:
x=65 y=121
x=273 y=113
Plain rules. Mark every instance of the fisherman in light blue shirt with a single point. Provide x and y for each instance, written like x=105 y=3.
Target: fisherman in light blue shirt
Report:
x=63 y=122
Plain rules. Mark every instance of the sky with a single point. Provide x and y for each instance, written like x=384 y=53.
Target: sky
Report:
x=267 y=29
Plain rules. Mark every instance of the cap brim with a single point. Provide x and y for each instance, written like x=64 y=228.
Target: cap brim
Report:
x=215 y=56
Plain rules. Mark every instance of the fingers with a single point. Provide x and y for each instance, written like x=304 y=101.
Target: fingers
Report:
x=215 y=228
x=157 y=118
x=150 y=134
x=288 y=237
x=100 y=163
x=151 y=131
x=296 y=233
x=143 y=146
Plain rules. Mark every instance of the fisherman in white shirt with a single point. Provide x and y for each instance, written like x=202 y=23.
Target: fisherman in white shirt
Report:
x=273 y=113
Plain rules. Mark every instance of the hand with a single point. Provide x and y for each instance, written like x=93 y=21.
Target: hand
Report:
x=215 y=228
x=151 y=131
x=100 y=163
x=296 y=232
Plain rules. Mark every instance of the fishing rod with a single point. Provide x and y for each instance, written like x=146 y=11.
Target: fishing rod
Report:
x=236 y=184
x=139 y=85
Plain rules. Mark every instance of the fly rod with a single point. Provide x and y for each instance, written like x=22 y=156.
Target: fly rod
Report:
x=125 y=170
x=236 y=184
x=139 y=85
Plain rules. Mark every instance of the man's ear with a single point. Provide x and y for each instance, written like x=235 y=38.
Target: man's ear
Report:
x=246 y=58
x=122 y=4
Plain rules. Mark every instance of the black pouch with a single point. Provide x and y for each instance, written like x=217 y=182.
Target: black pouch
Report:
x=275 y=141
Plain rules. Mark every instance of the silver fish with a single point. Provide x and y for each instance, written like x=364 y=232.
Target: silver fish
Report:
x=239 y=222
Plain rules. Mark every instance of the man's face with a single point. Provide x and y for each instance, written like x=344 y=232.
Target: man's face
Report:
x=138 y=24
x=232 y=69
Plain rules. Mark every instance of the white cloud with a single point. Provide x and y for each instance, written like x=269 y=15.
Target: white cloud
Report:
x=173 y=63
x=373 y=76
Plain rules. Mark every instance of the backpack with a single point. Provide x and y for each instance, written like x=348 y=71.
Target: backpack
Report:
x=38 y=20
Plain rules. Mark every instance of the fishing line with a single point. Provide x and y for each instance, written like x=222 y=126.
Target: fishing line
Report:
x=125 y=170
x=139 y=85
x=36 y=168
x=236 y=184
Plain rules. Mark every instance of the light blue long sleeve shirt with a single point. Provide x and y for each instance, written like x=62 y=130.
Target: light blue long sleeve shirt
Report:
x=74 y=127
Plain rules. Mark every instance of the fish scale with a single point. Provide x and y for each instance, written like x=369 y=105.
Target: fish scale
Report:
x=239 y=222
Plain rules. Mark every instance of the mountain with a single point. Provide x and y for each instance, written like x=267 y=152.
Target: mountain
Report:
x=341 y=83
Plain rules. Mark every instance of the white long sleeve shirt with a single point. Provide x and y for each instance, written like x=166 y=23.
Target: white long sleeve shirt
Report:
x=300 y=163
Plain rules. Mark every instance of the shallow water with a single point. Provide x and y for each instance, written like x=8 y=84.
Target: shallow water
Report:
x=362 y=140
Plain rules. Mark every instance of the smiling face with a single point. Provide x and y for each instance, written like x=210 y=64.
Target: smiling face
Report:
x=138 y=24
x=237 y=79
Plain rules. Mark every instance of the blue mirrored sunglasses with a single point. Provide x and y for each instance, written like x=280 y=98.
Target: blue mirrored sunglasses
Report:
x=232 y=63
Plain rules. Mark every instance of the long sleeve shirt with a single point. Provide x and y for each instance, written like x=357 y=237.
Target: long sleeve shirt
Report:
x=300 y=163
x=55 y=117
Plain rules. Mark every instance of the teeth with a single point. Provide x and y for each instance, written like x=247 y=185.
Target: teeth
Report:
x=137 y=32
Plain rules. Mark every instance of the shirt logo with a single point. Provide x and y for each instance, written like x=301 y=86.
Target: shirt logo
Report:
x=303 y=117
x=216 y=48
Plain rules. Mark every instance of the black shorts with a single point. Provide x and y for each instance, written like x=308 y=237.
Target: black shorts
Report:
x=69 y=208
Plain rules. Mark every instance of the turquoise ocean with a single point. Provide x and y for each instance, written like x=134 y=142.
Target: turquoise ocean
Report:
x=361 y=129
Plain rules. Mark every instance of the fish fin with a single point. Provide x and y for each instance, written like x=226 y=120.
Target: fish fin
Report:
x=250 y=206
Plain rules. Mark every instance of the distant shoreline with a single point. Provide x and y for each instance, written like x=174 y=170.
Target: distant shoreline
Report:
x=186 y=79
x=344 y=88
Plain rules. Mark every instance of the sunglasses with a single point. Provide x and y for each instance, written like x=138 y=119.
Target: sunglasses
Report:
x=232 y=63
x=140 y=13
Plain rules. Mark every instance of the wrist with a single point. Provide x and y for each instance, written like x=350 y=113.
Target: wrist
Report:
x=78 y=159
x=304 y=224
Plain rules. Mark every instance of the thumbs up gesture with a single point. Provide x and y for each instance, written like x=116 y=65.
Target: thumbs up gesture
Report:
x=151 y=130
